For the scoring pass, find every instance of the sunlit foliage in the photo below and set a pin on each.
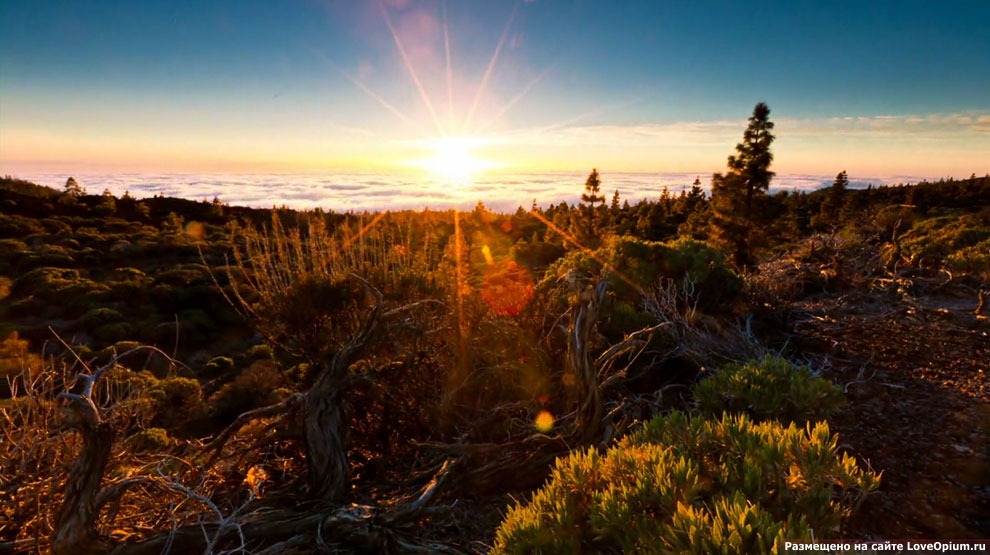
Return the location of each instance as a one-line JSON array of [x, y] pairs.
[[770, 388], [692, 485]]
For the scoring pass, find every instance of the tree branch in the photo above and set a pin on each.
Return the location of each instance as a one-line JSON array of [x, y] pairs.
[[218, 443]]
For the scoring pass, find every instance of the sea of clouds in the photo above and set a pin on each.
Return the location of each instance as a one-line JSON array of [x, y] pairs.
[[373, 192]]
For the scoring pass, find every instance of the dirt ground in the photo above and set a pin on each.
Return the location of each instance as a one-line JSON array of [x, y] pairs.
[[917, 375]]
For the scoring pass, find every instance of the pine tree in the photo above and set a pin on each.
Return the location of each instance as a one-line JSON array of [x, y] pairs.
[[736, 221], [666, 201], [829, 211], [108, 203], [696, 196], [73, 188], [593, 203]]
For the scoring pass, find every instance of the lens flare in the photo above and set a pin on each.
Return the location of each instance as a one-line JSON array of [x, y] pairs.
[[507, 288], [195, 230], [543, 421]]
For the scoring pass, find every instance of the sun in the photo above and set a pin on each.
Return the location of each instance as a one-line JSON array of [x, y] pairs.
[[454, 160]]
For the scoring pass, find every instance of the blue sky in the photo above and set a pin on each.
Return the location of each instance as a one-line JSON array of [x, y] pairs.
[[895, 87]]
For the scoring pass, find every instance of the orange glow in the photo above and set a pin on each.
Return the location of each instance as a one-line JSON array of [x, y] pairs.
[[507, 288], [543, 422], [195, 231]]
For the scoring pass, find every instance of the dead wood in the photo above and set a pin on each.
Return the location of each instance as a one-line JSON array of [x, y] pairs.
[[581, 370], [75, 524]]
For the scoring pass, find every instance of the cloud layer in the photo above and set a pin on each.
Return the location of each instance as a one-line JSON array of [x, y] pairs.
[[358, 192]]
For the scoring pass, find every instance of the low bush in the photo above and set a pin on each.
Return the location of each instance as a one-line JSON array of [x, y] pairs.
[[634, 266], [97, 317], [974, 260], [45, 280], [692, 485], [11, 247], [260, 351], [108, 334], [16, 363], [536, 256], [770, 388], [152, 440], [218, 366], [177, 400], [254, 387]]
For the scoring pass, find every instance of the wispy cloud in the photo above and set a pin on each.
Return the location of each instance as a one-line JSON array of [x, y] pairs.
[[682, 133], [709, 133], [955, 144], [884, 126]]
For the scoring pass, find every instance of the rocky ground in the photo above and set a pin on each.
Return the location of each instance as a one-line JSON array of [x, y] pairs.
[[916, 370]]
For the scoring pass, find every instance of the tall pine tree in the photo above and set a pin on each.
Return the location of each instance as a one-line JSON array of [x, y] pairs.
[[736, 219], [829, 211], [592, 207]]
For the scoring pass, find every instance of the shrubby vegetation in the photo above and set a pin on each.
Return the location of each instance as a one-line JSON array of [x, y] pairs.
[[377, 364], [692, 485], [768, 389], [733, 479]]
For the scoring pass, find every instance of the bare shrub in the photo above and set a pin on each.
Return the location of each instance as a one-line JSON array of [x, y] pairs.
[[689, 334]]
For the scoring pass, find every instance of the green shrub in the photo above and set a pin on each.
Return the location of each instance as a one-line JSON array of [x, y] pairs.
[[693, 485], [771, 388], [11, 247], [635, 265], [128, 274], [219, 365], [56, 226], [184, 275], [97, 317], [105, 354], [152, 440], [14, 226], [536, 255], [114, 332], [29, 307], [956, 238], [254, 387], [69, 243], [974, 259], [261, 351], [45, 280], [196, 324], [177, 400]]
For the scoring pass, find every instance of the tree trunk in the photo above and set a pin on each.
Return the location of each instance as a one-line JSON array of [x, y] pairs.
[[585, 393], [324, 432], [75, 526], [326, 446]]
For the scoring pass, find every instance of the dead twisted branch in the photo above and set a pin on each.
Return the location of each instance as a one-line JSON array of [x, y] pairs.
[[356, 527], [76, 522]]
